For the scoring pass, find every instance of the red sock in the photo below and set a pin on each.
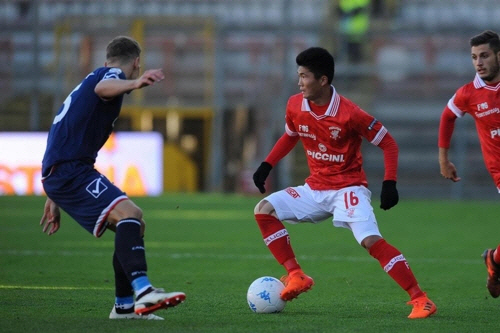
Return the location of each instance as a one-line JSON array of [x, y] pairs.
[[394, 264], [496, 255], [277, 240]]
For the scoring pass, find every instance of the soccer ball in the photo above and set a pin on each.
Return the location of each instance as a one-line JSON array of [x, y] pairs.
[[263, 295]]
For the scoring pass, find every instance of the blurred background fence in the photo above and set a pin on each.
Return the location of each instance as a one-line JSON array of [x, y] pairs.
[[230, 68]]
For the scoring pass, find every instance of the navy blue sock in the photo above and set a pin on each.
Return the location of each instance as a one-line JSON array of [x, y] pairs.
[[123, 288], [129, 249]]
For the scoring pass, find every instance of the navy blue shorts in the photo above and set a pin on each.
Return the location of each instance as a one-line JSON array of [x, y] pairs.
[[82, 192]]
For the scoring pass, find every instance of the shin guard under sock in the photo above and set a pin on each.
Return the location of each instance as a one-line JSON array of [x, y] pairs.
[[123, 288], [276, 238], [129, 249], [394, 264]]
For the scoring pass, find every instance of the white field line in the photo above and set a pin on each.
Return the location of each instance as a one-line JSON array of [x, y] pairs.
[[54, 288], [233, 256]]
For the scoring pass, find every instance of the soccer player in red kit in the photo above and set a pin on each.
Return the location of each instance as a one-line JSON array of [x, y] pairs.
[[480, 99], [331, 129]]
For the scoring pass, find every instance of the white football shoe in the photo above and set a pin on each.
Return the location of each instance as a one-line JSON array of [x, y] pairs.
[[132, 315], [157, 299]]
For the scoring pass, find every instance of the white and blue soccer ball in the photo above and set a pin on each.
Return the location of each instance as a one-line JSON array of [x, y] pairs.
[[263, 295]]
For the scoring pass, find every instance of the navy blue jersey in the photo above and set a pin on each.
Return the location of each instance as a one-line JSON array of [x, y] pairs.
[[83, 123]]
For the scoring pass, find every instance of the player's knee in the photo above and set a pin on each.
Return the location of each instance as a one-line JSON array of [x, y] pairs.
[[124, 210], [368, 242], [143, 227], [137, 213], [263, 207], [132, 212]]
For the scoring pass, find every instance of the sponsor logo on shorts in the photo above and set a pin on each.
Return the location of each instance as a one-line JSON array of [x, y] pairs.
[[292, 192], [282, 233], [97, 187]]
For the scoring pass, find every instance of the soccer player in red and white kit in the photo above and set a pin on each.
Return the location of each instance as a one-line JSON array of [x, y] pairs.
[[331, 129], [480, 99]]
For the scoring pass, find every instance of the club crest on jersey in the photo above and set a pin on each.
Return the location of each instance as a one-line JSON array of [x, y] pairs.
[[334, 132], [96, 187]]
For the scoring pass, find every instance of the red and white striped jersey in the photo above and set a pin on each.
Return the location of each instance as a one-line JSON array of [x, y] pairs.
[[482, 102], [332, 140]]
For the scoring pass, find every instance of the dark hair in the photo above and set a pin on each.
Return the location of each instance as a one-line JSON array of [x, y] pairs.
[[122, 49], [319, 61], [487, 37]]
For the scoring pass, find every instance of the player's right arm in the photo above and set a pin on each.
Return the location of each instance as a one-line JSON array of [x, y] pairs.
[[111, 88], [446, 128], [282, 147], [51, 216]]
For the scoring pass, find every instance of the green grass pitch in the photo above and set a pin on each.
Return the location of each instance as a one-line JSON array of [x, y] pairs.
[[209, 246]]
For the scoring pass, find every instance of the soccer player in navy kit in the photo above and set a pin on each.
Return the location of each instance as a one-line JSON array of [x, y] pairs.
[[79, 130]]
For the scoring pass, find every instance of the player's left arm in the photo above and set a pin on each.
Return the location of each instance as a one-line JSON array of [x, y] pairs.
[[111, 88], [391, 153], [51, 219], [377, 134], [389, 196]]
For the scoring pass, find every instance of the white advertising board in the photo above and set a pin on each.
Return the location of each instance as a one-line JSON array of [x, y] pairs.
[[132, 160]]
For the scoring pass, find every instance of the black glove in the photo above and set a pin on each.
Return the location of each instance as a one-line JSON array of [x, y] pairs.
[[259, 177], [389, 196]]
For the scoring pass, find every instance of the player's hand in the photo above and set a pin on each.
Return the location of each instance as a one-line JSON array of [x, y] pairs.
[[259, 177], [449, 171], [389, 196], [149, 78], [51, 219]]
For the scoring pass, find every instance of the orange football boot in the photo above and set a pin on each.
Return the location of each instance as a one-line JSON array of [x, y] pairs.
[[295, 283], [423, 307], [493, 282]]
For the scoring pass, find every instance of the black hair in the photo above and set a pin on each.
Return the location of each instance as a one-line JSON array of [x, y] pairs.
[[487, 37], [319, 61]]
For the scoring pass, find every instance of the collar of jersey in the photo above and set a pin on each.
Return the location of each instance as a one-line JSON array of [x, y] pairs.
[[479, 83], [332, 109]]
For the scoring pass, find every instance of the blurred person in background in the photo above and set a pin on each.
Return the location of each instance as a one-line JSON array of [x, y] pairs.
[[481, 100], [331, 129], [354, 21], [79, 130]]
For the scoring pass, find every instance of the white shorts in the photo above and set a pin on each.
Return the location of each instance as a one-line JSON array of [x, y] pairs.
[[350, 207]]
